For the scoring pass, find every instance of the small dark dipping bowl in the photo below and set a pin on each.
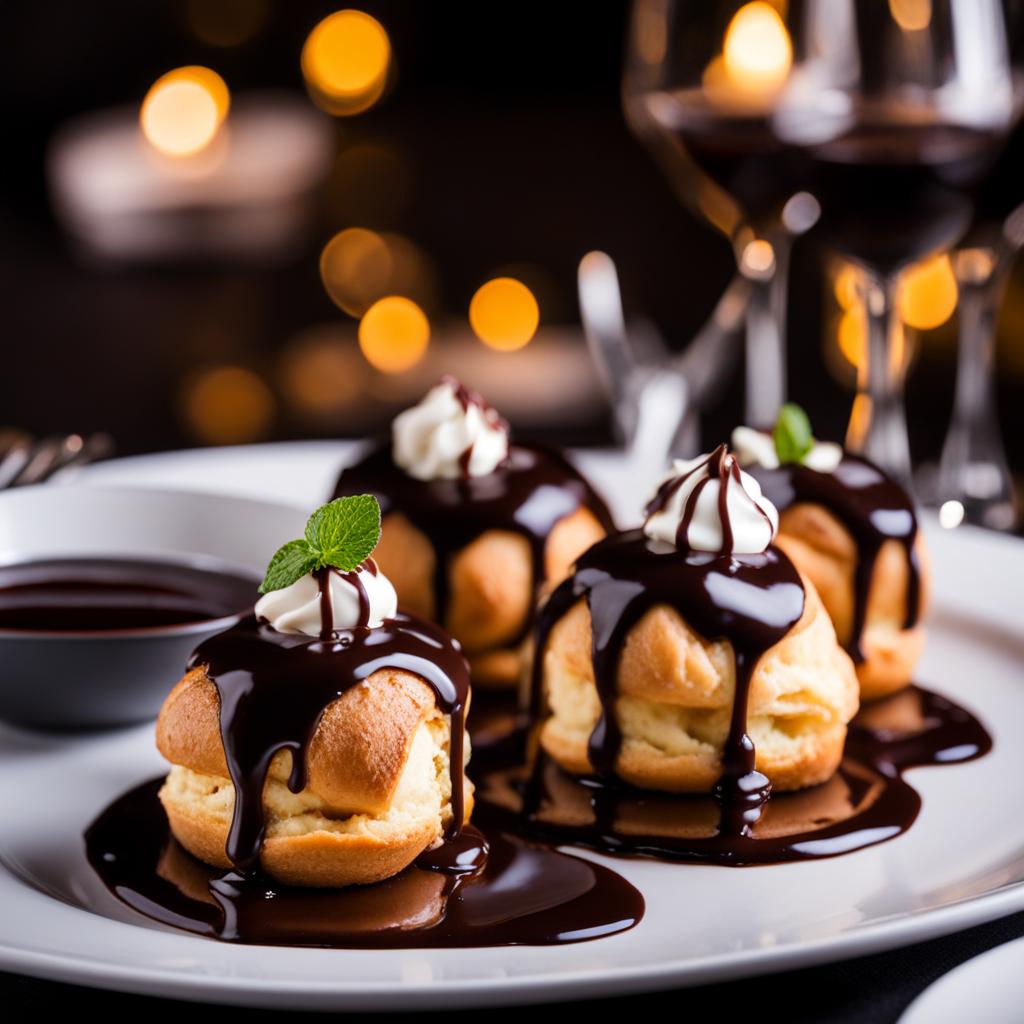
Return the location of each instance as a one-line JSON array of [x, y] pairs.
[[89, 641]]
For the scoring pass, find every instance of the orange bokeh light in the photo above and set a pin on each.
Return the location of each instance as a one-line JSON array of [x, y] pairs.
[[356, 268], [928, 293], [394, 334], [184, 109], [228, 405], [757, 53], [504, 314], [345, 62]]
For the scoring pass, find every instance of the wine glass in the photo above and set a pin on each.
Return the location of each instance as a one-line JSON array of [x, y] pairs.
[[896, 112], [974, 483], [700, 85]]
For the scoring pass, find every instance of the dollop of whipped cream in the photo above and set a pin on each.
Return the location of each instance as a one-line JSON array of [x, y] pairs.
[[452, 433], [757, 448], [688, 510], [364, 597]]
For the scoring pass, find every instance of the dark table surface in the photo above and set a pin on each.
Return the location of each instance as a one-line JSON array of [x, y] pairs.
[[875, 989]]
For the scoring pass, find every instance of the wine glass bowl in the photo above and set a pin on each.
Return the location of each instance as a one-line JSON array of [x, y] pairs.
[[889, 114]]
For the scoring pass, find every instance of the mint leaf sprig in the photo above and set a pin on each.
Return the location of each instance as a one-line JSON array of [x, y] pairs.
[[792, 434], [341, 534]]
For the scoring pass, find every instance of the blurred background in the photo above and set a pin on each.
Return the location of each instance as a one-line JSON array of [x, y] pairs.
[[253, 249]]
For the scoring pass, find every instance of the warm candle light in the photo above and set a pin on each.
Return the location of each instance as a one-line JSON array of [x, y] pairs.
[[757, 53], [356, 269], [345, 62], [852, 335], [184, 109], [228, 405], [504, 314], [394, 334], [911, 15], [928, 293], [321, 372], [847, 286]]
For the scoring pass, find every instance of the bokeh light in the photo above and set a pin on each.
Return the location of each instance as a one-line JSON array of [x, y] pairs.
[[504, 314], [322, 372], [226, 22], [852, 335], [184, 109], [847, 286], [228, 405], [928, 293], [356, 269], [911, 15], [345, 62], [757, 53], [951, 514], [393, 334]]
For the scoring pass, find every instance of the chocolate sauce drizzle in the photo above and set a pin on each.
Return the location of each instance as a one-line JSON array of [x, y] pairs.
[[750, 600], [871, 506], [529, 495], [274, 687], [865, 803]]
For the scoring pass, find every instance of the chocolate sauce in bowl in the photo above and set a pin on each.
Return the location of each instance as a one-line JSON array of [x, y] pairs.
[[103, 595], [870, 505], [529, 495], [525, 893], [865, 803], [273, 688], [750, 600]]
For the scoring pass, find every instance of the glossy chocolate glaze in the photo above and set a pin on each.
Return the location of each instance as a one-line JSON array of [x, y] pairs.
[[273, 688], [865, 803], [750, 600], [99, 595], [870, 505], [526, 894], [529, 495]]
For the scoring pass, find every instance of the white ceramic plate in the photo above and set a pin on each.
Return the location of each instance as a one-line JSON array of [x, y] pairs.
[[989, 988], [961, 863]]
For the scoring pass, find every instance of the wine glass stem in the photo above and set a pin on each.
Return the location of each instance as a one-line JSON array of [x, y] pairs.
[[974, 399], [884, 437], [973, 467], [766, 337]]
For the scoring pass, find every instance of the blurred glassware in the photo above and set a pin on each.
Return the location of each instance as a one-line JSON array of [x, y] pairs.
[[895, 120], [973, 470], [700, 86], [656, 397]]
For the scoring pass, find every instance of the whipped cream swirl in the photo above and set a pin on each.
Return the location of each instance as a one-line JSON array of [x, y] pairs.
[[452, 433], [349, 600], [757, 448], [709, 504]]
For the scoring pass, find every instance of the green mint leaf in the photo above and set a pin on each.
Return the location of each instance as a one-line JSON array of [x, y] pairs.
[[344, 532], [792, 434], [290, 563]]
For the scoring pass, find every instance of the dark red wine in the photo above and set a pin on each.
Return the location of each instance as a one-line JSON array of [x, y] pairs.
[[98, 595], [739, 152], [894, 193]]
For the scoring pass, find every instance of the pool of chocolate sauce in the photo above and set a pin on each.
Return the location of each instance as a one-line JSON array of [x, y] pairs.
[[867, 802], [525, 893], [101, 595]]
